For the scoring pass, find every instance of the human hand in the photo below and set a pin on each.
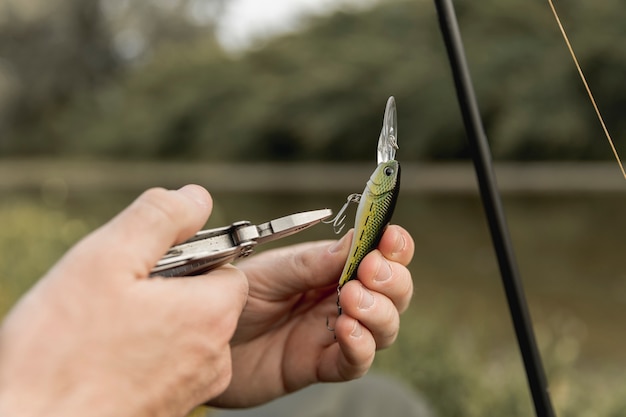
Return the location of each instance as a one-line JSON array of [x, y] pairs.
[[96, 337], [282, 342]]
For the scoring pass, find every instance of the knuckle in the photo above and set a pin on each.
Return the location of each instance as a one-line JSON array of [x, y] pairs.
[[390, 323], [406, 291], [224, 325], [387, 338], [156, 206], [356, 368], [214, 371], [223, 374]]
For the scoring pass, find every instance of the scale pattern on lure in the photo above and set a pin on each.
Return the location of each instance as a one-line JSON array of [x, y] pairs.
[[376, 203], [374, 212]]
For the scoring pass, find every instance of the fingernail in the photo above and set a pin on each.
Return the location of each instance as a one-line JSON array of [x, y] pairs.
[[338, 245], [367, 299], [400, 244], [384, 271], [357, 331], [197, 194]]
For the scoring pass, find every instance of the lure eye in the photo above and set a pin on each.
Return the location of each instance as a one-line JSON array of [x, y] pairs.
[[389, 171]]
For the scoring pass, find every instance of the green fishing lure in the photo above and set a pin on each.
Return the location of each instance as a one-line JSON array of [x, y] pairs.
[[376, 203], [373, 214]]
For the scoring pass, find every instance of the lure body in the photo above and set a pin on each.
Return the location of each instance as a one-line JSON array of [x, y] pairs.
[[374, 212]]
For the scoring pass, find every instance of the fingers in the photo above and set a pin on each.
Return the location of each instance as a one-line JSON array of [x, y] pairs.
[[384, 287], [384, 270], [373, 311], [371, 307], [352, 356], [137, 238], [391, 279], [190, 321]]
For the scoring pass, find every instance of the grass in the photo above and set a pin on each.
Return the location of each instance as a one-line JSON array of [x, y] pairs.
[[456, 345], [32, 238]]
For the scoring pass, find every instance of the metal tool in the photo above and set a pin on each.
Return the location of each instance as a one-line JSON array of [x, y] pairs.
[[211, 248]]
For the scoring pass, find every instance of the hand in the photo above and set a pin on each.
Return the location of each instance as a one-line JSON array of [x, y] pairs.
[[282, 342], [96, 337]]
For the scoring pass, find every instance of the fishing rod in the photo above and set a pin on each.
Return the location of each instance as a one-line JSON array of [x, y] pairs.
[[481, 155]]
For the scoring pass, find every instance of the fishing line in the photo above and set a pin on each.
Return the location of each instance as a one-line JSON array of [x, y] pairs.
[[584, 80]]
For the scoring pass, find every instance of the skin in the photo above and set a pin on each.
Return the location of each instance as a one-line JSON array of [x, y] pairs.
[[96, 337]]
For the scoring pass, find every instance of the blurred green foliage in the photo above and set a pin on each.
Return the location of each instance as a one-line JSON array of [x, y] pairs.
[[464, 376], [32, 238], [319, 94]]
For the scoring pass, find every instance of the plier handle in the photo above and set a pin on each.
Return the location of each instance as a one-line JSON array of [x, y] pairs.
[[211, 248]]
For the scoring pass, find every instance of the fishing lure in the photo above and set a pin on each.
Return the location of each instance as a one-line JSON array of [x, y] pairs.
[[376, 203]]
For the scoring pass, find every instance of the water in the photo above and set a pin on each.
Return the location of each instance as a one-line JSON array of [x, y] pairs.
[[569, 250]]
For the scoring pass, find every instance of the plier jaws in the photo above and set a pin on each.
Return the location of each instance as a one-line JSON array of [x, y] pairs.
[[211, 248]]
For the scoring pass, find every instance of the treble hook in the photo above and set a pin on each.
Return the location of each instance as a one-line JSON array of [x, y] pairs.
[[339, 311], [338, 220]]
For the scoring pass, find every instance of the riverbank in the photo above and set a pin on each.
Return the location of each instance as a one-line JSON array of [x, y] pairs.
[[455, 178]]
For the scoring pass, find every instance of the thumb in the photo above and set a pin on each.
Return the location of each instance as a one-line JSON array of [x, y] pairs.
[[139, 236], [298, 268]]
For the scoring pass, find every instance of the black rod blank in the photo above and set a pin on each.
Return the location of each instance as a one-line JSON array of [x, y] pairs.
[[481, 155]]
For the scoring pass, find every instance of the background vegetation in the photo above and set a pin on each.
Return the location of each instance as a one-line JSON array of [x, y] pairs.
[[147, 79]]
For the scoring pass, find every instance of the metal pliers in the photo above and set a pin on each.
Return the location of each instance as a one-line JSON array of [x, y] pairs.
[[211, 248]]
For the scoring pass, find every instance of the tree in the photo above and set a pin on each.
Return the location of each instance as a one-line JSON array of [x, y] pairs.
[[320, 93], [78, 47]]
